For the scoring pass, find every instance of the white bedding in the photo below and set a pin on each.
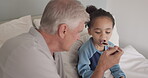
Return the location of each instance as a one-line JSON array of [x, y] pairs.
[[14, 27], [134, 64]]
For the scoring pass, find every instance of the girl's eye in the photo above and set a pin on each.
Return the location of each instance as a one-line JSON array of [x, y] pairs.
[[107, 32], [98, 32]]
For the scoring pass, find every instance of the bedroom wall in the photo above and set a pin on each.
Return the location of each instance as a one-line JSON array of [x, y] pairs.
[[132, 22], [10, 9], [97, 3]]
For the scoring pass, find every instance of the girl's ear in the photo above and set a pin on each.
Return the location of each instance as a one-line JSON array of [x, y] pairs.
[[62, 30], [89, 31]]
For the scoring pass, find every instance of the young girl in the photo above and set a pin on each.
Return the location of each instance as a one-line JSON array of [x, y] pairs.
[[100, 28]]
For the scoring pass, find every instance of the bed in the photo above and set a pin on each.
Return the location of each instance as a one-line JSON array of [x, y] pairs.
[[132, 62]]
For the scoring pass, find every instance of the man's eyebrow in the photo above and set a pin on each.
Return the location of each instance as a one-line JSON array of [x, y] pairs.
[[86, 24]]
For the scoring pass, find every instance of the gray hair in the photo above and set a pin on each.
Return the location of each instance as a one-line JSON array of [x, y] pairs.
[[70, 12]]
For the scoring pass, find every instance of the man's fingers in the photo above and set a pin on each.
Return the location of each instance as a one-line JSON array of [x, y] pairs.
[[119, 53], [111, 50], [116, 51]]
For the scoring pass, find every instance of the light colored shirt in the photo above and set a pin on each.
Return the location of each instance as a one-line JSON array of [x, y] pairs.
[[27, 56]]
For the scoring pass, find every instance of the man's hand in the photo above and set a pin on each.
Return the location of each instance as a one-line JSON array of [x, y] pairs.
[[122, 77], [108, 59]]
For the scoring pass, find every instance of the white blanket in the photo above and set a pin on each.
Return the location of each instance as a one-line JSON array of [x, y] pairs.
[[134, 64]]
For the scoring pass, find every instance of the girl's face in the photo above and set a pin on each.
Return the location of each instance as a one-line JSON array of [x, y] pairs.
[[101, 30]]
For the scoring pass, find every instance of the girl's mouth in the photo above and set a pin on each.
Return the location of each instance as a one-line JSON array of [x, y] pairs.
[[103, 42]]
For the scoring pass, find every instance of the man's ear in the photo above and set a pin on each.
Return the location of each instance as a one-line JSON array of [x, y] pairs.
[[62, 30]]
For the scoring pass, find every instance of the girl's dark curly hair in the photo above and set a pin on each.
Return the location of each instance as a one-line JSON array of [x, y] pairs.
[[95, 13]]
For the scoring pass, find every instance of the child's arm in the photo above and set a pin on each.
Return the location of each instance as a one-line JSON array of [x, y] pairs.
[[83, 67], [117, 72]]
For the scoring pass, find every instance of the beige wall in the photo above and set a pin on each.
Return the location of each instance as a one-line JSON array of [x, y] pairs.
[[10, 9], [132, 22]]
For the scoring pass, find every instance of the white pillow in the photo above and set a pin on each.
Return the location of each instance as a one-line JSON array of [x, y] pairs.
[[134, 64], [115, 36], [36, 22], [14, 27]]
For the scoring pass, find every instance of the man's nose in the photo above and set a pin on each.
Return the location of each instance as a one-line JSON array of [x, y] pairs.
[[78, 37]]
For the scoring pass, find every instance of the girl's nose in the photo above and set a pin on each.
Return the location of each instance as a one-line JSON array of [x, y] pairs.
[[103, 36]]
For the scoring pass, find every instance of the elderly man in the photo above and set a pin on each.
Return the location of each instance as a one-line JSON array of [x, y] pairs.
[[31, 55]]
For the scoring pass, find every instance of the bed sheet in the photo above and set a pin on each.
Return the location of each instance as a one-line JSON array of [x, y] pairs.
[[133, 63]]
